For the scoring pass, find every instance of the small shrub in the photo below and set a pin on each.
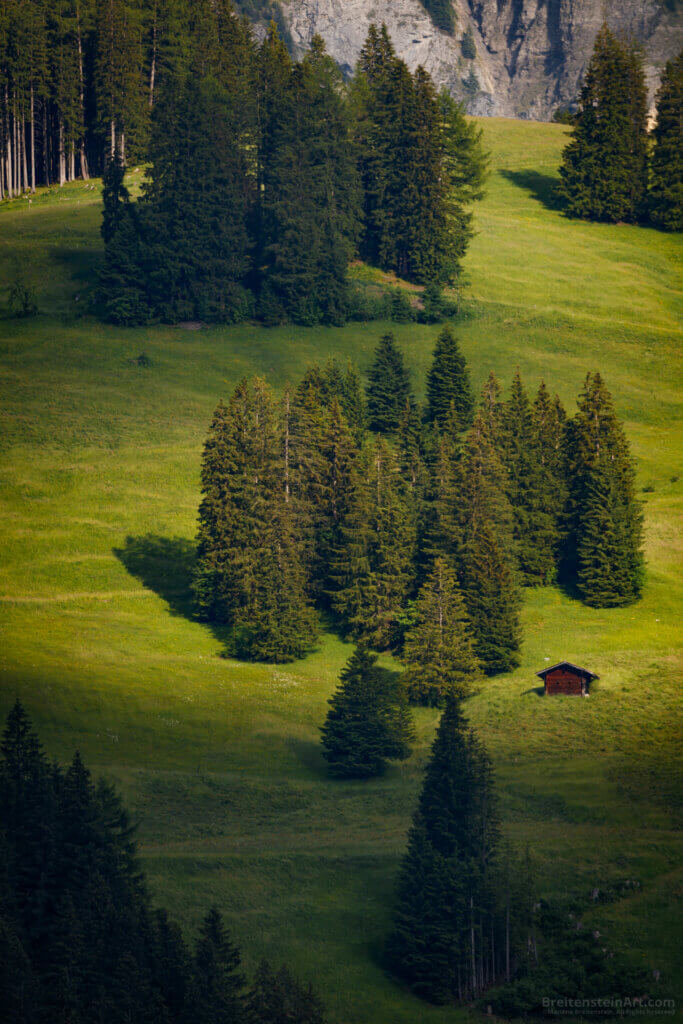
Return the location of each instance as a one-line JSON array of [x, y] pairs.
[[402, 310], [435, 306], [365, 304], [563, 115], [467, 45], [22, 300]]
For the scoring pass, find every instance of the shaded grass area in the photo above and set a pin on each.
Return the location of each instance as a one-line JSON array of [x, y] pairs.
[[219, 760]]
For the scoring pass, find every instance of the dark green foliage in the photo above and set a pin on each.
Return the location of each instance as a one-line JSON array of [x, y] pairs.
[[183, 252], [569, 961], [439, 650], [277, 998], [481, 497], [448, 382], [533, 489], [666, 182], [115, 196], [417, 178], [79, 941], [216, 995], [369, 721], [465, 166], [467, 45], [372, 569], [22, 299], [492, 600], [442, 14], [604, 170], [250, 574], [437, 945], [435, 306], [388, 387], [310, 205], [471, 83], [603, 520]]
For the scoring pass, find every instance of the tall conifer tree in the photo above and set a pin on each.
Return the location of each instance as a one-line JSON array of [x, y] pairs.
[[439, 648], [372, 568], [250, 571], [310, 204], [448, 381], [534, 506], [369, 721], [603, 550], [604, 169], [443, 942], [388, 387], [666, 188]]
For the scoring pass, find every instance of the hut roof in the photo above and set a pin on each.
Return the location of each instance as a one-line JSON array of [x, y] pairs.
[[566, 664]]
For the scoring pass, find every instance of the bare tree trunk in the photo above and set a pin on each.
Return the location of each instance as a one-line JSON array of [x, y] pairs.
[[112, 144], [493, 953], [83, 157], [46, 146], [507, 938], [153, 65], [33, 141], [72, 163], [62, 155], [23, 153], [122, 148], [8, 151], [473, 948]]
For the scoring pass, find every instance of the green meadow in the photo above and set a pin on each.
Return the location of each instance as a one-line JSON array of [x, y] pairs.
[[218, 760]]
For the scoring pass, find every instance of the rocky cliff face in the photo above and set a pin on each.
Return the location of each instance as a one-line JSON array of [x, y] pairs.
[[530, 54]]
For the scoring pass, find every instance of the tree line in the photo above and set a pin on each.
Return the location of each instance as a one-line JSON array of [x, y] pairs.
[[414, 528], [468, 921], [267, 176], [611, 169], [80, 940]]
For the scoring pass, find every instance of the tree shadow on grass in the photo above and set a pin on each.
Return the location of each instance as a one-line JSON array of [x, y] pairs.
[[538, 690], [166, 566], [542, 187]]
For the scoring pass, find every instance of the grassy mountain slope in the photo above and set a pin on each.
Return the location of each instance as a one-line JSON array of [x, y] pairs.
[[99, 463]]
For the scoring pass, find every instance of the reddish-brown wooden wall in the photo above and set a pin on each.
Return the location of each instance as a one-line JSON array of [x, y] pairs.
[[562, 680]]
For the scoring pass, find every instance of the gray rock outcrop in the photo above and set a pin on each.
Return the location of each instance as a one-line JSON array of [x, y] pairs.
[[531, 54]]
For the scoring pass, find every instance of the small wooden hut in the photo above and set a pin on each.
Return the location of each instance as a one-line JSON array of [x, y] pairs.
[[565, 678]]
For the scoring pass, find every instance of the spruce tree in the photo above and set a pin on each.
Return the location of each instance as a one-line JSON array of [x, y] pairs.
[[534, 506], [439, 648], [666, 182], [372, 567], [443, 526], [483, 484], [604, 168], [368, 721], [388, 388], [492, 600], [601, 482], [250, 572], [339, 454], [548, 426], [277, 998], [465, 167], [443, 939], [310, 200], [217, 995], [448, 381]]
